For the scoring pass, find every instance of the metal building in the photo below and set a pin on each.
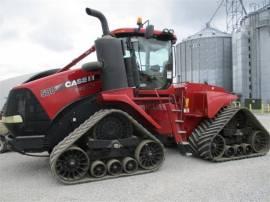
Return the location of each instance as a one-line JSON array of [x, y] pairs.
[[251, 56], [205, 57], [8, 84]]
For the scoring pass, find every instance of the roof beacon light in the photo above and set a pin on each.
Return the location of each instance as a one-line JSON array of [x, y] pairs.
[[139, 22]]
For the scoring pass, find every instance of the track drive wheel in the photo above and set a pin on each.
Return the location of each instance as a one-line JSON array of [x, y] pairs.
[[114, 126], [259, 141], [149, 154], [217, 147], [3, 145], [98, 169], [72, 164]]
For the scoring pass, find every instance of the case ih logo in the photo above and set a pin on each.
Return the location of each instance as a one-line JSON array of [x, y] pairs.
[[68, 84], [79, 81]]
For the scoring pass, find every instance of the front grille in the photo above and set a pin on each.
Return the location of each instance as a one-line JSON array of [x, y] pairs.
[[23, 102]]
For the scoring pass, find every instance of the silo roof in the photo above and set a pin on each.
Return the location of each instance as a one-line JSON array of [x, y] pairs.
[[208, 31]]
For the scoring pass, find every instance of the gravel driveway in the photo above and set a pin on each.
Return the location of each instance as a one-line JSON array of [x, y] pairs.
[[179, 179]]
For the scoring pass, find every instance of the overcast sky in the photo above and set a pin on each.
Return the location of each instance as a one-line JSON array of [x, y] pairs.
[[43, 34]]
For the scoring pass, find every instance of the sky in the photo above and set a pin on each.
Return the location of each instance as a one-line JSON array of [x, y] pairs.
[[47, 34]]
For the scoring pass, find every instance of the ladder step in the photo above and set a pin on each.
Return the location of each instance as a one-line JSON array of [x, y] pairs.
[[182, 132], [185, 148], [177, 110], [179, 121]]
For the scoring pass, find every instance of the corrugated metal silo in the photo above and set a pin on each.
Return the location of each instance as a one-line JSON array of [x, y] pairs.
[[205, 57], [251, 49]]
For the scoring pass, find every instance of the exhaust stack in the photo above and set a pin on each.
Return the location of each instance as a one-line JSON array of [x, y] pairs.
[[110, 54], [102, 19]]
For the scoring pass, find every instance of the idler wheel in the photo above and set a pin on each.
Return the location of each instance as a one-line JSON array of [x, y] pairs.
[[98, 169], [229, 151], [149, 154], [217, 146], [114, 126], [130, 165], [259, 141], [72, 165], [114, 167]]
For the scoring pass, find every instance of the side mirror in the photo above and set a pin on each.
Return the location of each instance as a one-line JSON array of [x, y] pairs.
[[92, 66], [149, 31]]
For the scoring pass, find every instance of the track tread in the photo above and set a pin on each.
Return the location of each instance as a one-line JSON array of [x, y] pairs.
[[84, 128], [200, 140]]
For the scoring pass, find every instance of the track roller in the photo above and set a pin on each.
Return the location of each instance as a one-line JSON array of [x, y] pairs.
[[130, 165], [149, 154], [247, 148], [238, 150], [98, 169], [72, 164], [229, 151], [114, 167]]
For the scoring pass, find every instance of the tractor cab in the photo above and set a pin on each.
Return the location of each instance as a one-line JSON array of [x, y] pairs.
[[148, 56]]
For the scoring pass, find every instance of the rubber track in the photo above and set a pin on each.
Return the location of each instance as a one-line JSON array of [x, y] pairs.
[[201, 137], [81, 130]]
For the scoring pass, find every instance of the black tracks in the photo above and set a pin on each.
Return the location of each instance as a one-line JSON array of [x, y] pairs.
[[208, 129], [70, 140]]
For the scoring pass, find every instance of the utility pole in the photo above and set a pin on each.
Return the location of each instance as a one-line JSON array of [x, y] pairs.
[[235, 11]]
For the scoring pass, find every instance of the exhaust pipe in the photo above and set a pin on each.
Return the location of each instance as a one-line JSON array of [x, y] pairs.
[[102, 19]]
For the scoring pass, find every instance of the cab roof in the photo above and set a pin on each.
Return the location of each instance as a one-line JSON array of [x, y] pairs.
[[160, 35]]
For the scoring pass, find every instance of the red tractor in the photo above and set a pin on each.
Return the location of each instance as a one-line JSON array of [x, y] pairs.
[[111, 118]]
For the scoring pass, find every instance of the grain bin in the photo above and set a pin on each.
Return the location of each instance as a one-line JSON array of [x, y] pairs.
[[251, 56], [205, 57]]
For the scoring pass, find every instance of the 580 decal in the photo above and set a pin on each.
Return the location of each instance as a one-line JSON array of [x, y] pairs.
[[68, 84]]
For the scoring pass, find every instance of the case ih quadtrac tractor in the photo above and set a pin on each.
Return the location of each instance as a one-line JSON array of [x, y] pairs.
[[111, 118]]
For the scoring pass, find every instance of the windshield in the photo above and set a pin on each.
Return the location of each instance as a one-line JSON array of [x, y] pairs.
[[154, 61]]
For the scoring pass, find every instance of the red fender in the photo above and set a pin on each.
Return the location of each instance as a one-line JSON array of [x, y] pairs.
[[217, 100]]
